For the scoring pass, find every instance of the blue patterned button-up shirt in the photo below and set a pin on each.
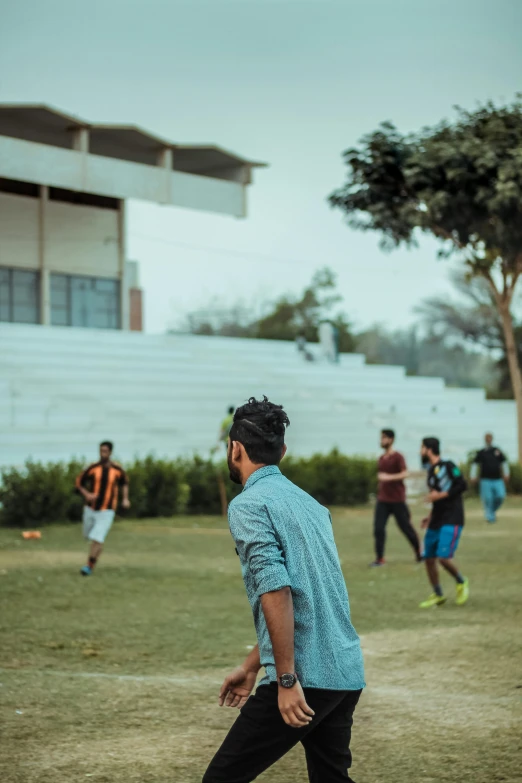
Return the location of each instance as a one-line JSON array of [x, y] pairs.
[[285, 538]]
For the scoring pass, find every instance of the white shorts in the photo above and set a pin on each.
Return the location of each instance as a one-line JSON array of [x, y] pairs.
[[96, 524]]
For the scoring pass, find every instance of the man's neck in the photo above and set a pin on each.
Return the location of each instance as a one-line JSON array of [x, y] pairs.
[[435, 460], [388, 450], [249, 470]]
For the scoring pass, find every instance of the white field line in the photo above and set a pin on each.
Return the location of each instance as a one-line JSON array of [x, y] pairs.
[[404, 694], [387, 691], [197, 531], [187, 680]]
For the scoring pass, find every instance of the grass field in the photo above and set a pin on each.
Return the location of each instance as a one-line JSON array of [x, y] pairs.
[[114, 679]]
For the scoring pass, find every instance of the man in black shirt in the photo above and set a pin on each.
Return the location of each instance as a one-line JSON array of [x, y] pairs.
[[494, 474], [446, 484]]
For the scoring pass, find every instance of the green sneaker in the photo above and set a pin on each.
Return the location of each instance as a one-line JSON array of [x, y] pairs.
[[462, 593], [433, 600]]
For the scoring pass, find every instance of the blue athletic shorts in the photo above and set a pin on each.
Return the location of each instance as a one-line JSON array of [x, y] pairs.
[[442, 542]]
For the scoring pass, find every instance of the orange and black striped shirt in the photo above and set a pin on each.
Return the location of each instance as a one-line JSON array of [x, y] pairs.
[[103, 480]]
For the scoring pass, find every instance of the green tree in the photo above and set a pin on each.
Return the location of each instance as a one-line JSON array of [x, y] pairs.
[[428, 355], [290, 316], [473, 320], [285, 319], [460, 182]]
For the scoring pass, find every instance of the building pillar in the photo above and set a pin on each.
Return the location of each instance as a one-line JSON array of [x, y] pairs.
[[165, 160], [122, 273], [80, 140], [80, 143], [136, 309], [135, 297], [45, 277], [246, 179]]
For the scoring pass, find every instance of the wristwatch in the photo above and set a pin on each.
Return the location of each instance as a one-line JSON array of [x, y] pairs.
[[287, 680]]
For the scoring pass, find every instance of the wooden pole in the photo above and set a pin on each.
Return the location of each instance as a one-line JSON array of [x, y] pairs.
[[222, 494]]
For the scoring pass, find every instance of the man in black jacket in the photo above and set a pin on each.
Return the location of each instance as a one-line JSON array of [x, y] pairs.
[[494, 475], [444, 525]]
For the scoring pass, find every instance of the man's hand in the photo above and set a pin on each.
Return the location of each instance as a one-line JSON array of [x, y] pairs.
[[425, 522], [90, 497], [125, 503], [393, 476], [293, 707], [237, 687], [433, 496]]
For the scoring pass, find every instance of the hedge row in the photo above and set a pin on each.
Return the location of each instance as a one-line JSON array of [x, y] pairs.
[[514, 486], [42, 494]]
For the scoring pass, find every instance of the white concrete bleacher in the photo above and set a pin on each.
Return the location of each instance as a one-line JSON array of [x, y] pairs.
[[62, 390]]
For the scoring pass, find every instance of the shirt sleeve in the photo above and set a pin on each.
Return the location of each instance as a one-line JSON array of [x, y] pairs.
[[84, 475], [458, 482], [475, 465], [401, 464], [258, 547], [123, 480]]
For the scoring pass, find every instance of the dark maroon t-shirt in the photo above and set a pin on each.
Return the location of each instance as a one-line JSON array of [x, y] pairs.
[[392, 491]]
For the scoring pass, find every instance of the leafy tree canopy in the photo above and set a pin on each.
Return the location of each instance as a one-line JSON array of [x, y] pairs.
[[460, 182]]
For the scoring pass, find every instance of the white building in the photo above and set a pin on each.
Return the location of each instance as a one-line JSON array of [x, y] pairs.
[[63, 186]]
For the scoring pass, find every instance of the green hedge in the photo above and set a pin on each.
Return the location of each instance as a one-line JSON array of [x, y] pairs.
[[514, 485], [333, 479], [42, 494]]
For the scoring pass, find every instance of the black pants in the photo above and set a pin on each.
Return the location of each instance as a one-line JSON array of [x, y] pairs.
[[401, 513], [260, 737]]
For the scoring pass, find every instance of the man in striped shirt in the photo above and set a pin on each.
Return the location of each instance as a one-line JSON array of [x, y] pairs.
[[99, 484]]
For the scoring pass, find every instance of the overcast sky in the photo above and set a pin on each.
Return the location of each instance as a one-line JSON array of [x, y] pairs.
[[289, 82]]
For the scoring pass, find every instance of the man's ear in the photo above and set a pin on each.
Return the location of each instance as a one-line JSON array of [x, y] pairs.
[[237, 449], [284, 451]]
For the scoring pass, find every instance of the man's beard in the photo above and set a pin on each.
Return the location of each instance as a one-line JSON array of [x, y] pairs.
[[234, 474]]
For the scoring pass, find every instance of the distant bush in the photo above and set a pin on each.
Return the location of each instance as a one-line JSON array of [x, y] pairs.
[[40, 494], [333, 479], [158, 487], [515, 479], [202, 476], [514, 485]]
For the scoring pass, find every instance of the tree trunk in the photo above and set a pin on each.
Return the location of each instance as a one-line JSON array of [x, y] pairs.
[[514, 366]]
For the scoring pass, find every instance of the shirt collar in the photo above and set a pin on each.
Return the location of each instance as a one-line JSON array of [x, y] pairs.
[[266, 470]]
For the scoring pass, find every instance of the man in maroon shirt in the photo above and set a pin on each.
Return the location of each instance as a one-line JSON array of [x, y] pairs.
[[391, 499]]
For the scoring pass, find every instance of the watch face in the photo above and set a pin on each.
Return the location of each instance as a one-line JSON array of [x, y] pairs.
[[288, 680]]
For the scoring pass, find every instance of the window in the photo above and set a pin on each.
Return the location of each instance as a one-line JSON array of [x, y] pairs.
[[19, 296], [91, 302], [60, 300]]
